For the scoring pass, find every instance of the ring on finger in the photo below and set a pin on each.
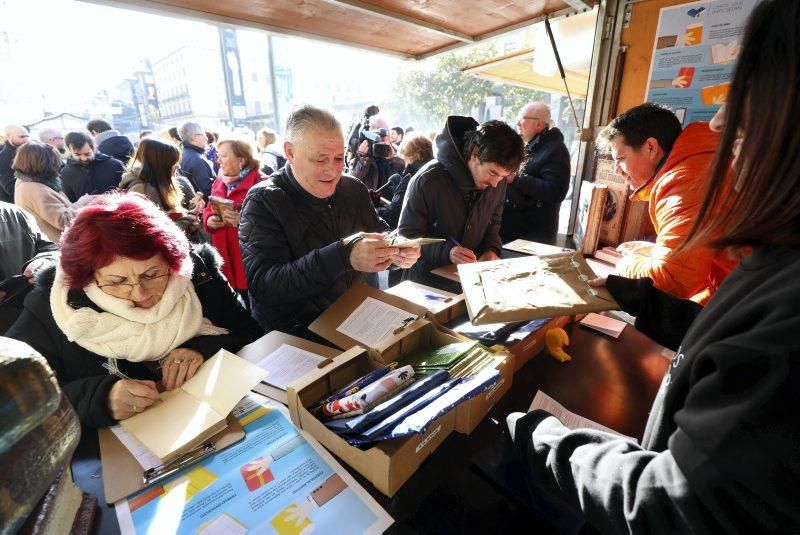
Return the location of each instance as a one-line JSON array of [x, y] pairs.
[[135, 409]]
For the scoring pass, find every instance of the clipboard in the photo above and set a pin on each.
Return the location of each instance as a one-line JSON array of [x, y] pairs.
[[127, 475], [448, 271]]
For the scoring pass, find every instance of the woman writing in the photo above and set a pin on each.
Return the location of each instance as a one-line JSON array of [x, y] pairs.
[[130, 292], [720, 451], [238, 172]]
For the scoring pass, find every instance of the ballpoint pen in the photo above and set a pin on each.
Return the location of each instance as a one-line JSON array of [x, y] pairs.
[[116, 372], [454, 241]]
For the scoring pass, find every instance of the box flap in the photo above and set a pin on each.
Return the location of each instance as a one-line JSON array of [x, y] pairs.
[[293, 389], [327, 323], [433, 299]]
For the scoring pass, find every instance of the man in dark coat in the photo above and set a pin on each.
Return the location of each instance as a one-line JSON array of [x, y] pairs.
[[534, 196], [88, 172], [309, 233], [16, 135], [110, 141], [459, 196], [194, 164]]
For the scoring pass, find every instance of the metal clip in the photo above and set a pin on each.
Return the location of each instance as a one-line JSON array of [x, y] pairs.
[[158, 473]]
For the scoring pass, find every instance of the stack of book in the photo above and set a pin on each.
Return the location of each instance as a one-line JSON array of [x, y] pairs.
[[459, 360]]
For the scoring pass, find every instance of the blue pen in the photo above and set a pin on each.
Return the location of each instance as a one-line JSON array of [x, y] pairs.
[[455, 242]]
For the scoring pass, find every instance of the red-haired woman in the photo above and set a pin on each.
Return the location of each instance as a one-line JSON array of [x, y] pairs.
[[129, 291], [238, 172]]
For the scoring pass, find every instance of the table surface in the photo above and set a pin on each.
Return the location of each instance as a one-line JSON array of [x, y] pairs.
[[612, 382]]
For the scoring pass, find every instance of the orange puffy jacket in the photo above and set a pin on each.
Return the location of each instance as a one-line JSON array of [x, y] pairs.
[[675, 195]]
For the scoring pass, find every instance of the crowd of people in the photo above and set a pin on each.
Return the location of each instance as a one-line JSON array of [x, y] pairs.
[[152, 257]]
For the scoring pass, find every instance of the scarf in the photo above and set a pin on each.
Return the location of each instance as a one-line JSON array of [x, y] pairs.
[[52, 183], [124, 331], [232, 181]]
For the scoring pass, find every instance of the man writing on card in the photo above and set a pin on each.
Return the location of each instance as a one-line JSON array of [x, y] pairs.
[[310, 232], [459, 197]]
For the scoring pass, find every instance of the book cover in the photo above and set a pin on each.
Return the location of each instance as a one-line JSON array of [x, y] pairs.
[[219, 205], [590, 214], [616, 202]]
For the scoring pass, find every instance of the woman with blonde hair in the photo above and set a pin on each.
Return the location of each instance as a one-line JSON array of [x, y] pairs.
[[238, 172], [415, 151]]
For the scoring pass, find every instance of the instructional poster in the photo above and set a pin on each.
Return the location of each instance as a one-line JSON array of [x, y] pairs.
[[274, 481], [694, 56]]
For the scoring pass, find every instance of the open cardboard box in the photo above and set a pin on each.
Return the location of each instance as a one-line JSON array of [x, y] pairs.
[[423, 331], [387, 465], [270, 342], [451, 307]]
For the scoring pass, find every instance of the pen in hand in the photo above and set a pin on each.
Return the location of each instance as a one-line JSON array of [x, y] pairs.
[[122, 375], [454, 241]]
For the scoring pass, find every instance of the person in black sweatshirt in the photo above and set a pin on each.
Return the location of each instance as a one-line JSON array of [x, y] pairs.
[[721, 451]]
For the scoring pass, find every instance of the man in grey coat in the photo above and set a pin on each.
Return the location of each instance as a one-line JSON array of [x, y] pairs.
[[459, 196]]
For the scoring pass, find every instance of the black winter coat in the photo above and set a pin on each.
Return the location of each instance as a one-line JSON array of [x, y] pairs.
[[295, 264], [197, 169], [118, 147], [438, 202], [398, 183], [101, 175], [7, 178], [534, 198], [80, 373]]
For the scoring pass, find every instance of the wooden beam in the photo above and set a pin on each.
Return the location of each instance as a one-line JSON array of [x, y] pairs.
[[566, 12], [155, 7], [369, 9]]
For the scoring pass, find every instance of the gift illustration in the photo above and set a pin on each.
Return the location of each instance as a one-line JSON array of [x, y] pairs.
[[293, 520], [256, 473]]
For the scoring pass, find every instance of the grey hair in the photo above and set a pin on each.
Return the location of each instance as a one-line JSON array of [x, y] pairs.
[[188, 129], [305, 118]]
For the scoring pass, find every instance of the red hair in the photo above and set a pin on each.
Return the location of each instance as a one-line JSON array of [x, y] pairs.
[[118, 224]]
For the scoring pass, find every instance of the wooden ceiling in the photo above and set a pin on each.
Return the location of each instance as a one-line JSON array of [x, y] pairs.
[[407, 28]]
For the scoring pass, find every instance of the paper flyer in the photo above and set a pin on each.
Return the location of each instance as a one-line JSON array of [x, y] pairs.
[[277, 480], [694, 56]]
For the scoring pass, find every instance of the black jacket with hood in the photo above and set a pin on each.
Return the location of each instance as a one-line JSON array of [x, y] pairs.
[[100, 175], [79, 371], [442, 201]]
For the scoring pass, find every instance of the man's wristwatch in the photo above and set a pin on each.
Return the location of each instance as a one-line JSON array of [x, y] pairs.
[[346, 248]]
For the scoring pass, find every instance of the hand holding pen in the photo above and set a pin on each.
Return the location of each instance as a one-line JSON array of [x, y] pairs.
[[129, 396], [460, 254]]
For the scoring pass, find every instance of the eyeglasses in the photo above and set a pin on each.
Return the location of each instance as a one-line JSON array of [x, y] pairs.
[[147, 284], [531, 118]]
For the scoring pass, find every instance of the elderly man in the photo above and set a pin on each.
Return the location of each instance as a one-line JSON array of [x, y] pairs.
[[668, 167], [16, 136], [110, 141], [309, 232], [534, 195], [54, 138], [194, 164], [459, 197], [88, 171]]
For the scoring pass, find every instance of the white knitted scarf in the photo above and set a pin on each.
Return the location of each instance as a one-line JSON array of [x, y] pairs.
[[124, 331]]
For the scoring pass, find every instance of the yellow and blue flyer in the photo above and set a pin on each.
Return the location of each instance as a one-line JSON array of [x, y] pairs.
[[277, 480]]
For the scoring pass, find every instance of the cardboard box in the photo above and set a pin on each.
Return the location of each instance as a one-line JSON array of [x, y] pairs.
[[387, 465], [423, 331], [444, 311], [270, 342], [470, 414]]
